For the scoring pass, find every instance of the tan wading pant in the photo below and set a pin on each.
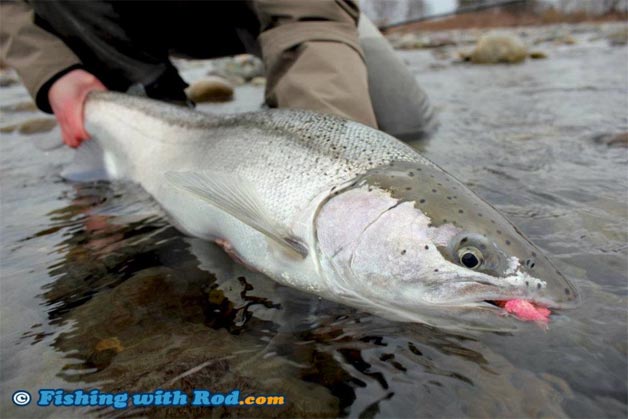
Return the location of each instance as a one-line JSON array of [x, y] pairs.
[[310, 48]]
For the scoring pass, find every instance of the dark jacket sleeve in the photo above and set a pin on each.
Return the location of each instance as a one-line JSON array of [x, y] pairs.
[[313, 57], [38, 56]]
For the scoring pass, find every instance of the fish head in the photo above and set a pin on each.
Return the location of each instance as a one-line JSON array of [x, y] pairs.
[[411, 239]]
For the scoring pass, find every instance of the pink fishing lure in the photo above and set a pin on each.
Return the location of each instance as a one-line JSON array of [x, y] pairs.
[[526, 310]]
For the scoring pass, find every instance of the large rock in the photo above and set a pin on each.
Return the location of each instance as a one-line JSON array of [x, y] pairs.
[[498, 48], [210, 89]]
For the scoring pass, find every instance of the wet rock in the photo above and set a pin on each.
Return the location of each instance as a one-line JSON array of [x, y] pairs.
[[30, 127], [416, 41], [37, 126], [8, 78], [498, 48], [618, 38], [613, 140], [241, 67], [19, 107], [7, 129], [567, 39], [210, 89], [258, 81], [538, 55]]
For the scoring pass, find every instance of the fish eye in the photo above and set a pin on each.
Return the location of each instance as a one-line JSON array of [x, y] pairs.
[[470, 257]]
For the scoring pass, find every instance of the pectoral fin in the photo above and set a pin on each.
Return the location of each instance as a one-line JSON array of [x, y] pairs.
[[238, 198]]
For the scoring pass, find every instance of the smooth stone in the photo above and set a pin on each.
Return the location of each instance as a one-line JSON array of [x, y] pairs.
[[613, 140], [538, 55], [258, 81], [618, 38], [499, 48], [210, 89], [19, 107], [8, 78], [37, 126]]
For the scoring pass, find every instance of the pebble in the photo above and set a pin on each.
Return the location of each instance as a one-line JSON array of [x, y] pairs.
[[30, 127], [538, 55], [36, 126], [241, 67], [8, 79], [613, 140], [28, 106], [210, 89], [618, 38], [258, 81]]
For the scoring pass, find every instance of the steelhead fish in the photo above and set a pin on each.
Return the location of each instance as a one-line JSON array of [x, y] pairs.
[[328, 206]]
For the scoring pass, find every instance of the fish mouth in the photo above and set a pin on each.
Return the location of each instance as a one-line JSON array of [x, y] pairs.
[[522, 309]]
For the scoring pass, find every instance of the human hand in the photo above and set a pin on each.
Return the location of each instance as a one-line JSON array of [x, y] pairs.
[[67, 99]]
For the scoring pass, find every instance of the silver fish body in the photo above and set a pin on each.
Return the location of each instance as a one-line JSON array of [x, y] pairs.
[[324, 205]]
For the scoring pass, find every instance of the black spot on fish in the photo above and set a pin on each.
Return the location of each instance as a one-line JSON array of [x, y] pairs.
[[507, 242], [410, 173], [499, 231], [435, 270], [403, 252], [422, 201], [460, 211], [434, 190], [439, 184], [408, 188], [427, 247], [444, 220], [419, 169], [567, 291], [527, 283], [538, 286], [464, 239], [449, 197], [480, 214], [492, 222]]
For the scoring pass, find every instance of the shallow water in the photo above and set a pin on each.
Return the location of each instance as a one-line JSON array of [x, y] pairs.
[[97, 290]]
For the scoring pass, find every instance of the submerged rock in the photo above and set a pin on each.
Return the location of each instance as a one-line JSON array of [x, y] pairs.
[[8, 78], [36, 126], [619, 37], [498, 48], [210, 89], [28, 106], [613, 140], [32, 126]]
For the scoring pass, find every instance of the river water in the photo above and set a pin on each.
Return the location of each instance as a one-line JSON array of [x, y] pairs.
[[97, 290]]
